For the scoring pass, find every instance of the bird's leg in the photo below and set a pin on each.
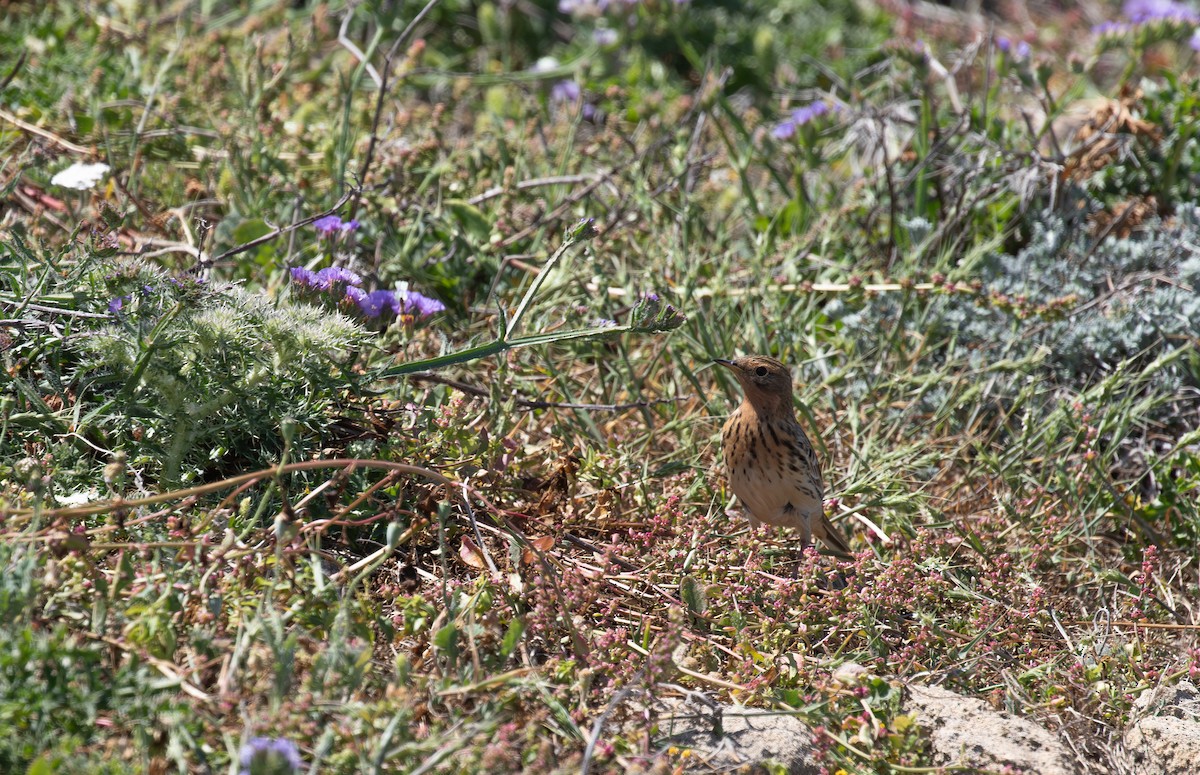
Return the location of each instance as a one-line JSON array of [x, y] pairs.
[[805, 534]]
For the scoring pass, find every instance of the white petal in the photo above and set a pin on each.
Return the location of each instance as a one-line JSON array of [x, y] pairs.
[[80, 176]]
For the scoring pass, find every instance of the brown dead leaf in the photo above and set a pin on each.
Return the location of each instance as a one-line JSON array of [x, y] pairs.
[[1093, 130], [606, 506], [542, 544], [1123, 219], [471, 554], [557, 488]]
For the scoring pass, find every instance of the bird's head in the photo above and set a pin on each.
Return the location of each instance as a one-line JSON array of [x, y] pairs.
[[766, 382]]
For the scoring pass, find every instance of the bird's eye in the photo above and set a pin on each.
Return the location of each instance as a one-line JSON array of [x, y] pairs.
[[761, 371]]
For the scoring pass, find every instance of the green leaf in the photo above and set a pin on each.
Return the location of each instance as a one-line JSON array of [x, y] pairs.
[[693, 595], [394, 531], [470, 218], [446, 638], [516, 629], [84, 124], [791, 697], [250, 230]]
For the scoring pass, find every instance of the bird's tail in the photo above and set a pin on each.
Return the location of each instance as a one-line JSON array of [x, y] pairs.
[[832, 537]]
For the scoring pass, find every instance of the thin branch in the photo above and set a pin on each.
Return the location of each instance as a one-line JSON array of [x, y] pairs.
[[706, 293], [35, 130], [169, 669], [353, 48], [524, 185], [369, 156], [27, 324], [16, 68], [571, 538], [529, 403], [69, 313], [281, 230], [562, 207]]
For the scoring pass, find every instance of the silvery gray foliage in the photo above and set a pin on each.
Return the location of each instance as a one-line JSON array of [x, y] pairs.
[[209, 372], [1135, 297]]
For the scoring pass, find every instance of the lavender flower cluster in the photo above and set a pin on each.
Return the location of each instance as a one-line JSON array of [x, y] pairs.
[[1018, 49], [332, 224], [116, 305], [1142, 13], [800, 116], [344, 285]]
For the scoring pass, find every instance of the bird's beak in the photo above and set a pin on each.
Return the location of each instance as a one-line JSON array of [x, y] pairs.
[[727, 364]]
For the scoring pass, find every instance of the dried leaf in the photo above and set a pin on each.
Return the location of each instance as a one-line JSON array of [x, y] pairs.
[[557, 489], [471, 554], [542, 544]]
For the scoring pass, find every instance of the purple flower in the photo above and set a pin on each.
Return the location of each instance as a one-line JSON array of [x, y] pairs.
[[116, 304], [1140, 11], [603, 36], [374, 303], [784, 130], [651, 296], [1110, 28], [304, 277], [410, 302], [399, 302], [331, 276], [565, 91], [269, 755], [331, 224], [328, 225], [1019, 50], [813, 110], [604, 323], [800, 116]]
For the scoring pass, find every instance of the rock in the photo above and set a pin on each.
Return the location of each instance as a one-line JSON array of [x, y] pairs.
[[726, 737], [966, 731], [1181, 701], [850, 673], [1166, 737]]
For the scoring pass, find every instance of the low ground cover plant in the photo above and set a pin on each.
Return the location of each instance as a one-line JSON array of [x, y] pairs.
[[357, 409]]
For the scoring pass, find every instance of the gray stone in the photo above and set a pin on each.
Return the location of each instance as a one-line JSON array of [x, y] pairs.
[[1165, 738], [723, 738], [966, 731]]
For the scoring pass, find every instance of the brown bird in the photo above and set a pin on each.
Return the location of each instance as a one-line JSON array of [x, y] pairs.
[[771, 464]]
